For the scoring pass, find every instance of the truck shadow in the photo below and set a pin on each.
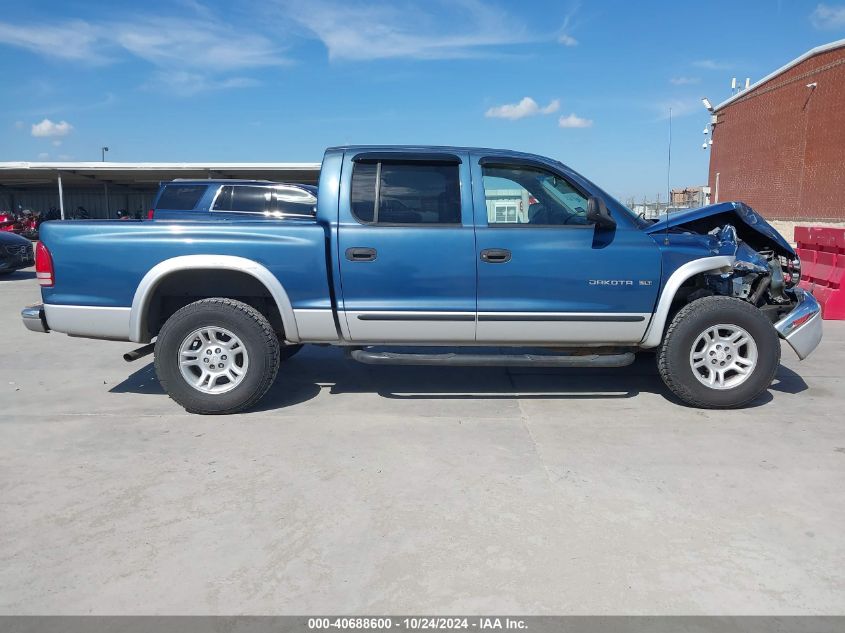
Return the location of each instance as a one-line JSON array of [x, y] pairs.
[[317, 369]]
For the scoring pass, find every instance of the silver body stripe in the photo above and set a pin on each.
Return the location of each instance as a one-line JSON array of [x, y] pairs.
[[316, 325], [89, 321], [430, 327], [561, 328]]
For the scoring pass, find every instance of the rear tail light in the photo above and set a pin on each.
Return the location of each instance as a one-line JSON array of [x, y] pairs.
[[43, 265], [151, 214]]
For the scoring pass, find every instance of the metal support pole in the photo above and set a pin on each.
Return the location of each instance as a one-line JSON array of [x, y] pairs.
[[108, 211], [61, 198]]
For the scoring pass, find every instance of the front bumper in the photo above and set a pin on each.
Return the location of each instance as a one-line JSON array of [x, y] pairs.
[[34, 319], [802, 328]]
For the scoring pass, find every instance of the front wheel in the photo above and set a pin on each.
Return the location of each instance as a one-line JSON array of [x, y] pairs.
[[217, 356], [719, 353]]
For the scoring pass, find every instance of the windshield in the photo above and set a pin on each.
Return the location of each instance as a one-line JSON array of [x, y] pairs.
[[612, 203]]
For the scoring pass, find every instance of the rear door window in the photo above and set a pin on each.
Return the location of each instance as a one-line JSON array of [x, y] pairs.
[[180, 197], [415, 192]]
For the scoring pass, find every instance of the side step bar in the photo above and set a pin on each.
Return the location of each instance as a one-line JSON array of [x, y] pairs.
[[493, 360]]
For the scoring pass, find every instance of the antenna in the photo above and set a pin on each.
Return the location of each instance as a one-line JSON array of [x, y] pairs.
[[668, 179]]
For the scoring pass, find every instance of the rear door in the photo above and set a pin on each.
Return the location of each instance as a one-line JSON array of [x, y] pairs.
[[546, 275], [407, 248]]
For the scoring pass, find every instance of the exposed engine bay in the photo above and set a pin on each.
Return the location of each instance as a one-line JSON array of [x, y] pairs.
[[766, 267], [760, 277], [763, 278]]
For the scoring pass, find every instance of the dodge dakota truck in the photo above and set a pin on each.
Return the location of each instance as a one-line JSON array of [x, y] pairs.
[[502, 257]]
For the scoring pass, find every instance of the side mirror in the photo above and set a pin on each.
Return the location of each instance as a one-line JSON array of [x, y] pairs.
[[598, 214]]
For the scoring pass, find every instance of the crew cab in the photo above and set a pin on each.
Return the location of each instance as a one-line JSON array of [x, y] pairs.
[[463, 248]]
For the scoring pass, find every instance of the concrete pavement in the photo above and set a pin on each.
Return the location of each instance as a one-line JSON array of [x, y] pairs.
[[360, 489]]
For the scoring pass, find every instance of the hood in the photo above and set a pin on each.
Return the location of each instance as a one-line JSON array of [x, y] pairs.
[[11, 239], [750, 226]]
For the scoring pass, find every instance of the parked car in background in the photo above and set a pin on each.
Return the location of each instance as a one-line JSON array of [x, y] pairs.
[[413, 246], [16, 252], [228, 199]]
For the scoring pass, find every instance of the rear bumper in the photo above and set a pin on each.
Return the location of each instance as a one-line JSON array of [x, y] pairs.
[[802, 328], [34, 319]]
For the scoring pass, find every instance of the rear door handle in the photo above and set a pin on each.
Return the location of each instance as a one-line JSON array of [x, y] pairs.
[[495, 255], [361, 254]]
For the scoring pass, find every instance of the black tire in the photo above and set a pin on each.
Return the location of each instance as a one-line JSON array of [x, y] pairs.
[[244, 321], [674, 355]]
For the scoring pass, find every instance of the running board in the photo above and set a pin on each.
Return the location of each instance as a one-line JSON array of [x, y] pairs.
[[497, 360]]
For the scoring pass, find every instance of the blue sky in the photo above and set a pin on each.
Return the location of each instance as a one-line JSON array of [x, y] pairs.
[[588, 83]]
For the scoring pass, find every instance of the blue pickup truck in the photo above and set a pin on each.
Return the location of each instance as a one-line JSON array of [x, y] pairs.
[[502, 257]]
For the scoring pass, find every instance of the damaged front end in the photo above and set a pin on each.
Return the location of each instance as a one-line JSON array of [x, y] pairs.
[[765, 272]]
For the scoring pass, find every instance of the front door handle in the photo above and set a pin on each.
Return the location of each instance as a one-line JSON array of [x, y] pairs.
[[361, 254], [495, 255]]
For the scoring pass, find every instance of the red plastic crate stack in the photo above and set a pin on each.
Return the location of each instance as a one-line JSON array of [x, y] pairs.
[[822, 253]]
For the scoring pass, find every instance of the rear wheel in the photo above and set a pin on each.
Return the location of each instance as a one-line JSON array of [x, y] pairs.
[[217, 356], [719, 353]]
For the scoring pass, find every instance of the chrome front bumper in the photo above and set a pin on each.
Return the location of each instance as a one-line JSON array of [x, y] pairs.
[[33, 319], [802, 328]]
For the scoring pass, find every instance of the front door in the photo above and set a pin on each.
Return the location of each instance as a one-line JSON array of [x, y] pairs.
[[547, 276], [407, 249]]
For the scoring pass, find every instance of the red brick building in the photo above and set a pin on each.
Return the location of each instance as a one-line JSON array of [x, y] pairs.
[[779, 146]]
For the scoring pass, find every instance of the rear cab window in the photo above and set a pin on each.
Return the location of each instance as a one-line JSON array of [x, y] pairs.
[[394, 192]]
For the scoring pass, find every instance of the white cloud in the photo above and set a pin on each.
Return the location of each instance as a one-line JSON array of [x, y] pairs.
[[208, 44], [712, 64], [565, 37], [554, 106], [49, 129], [19, 125], [574, 121], [828, 18], [74, 40], [680, 107], [43, 156], [162, 41], [364, 30], [57, 143], [526, 107], [684, 81], [197, 44], [184, 84]]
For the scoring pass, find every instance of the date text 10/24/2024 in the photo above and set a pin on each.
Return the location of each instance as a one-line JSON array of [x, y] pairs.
[[416, 623]]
